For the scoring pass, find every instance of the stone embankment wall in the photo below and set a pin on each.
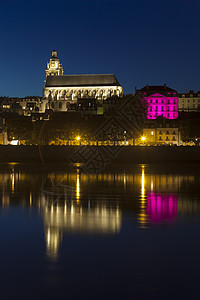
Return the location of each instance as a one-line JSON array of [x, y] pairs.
[[101, 154]]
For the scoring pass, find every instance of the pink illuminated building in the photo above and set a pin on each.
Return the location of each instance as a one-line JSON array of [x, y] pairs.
[[160, 101]]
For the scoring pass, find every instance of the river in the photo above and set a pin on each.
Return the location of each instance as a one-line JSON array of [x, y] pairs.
[[122, 233]]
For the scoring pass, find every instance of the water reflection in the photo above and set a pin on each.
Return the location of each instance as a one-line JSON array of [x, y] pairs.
[[143, 217], [77, 203], [161, 207], [75, 219]]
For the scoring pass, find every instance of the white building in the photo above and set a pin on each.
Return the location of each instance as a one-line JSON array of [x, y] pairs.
[[61, 90]]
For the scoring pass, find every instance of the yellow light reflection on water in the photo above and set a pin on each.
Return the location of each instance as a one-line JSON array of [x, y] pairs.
[[77, 186], [143, 218], [143, 182], [13, 180]]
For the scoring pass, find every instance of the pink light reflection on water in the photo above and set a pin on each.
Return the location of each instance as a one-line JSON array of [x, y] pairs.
[[161, 207]]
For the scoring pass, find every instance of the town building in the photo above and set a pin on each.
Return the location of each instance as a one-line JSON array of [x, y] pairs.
[[161, 132], [159, 101], [60, 91], [30, 105], [189, 102]]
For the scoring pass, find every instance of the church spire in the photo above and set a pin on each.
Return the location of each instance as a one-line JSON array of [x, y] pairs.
[[54, 67]]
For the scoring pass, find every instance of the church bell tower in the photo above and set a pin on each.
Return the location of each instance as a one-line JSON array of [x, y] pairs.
[[54, 68]]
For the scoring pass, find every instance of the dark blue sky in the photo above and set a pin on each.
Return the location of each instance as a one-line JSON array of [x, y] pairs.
[[140, 41]]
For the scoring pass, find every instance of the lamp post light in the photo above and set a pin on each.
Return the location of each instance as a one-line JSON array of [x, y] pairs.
[[78, 140], [143, 138]]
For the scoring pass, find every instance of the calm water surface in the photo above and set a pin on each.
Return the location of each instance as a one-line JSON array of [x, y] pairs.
[[121, 234]]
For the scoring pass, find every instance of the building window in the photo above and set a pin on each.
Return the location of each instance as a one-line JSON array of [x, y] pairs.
[[160, 132], [60, 105], [173, 115], [174, 138], [151, 132], [52, 105], [167, 138], [160, 138], [167, 132]]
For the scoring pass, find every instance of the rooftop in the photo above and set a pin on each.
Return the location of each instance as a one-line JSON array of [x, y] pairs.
[[82, 80], [156, 88], [149, 90]]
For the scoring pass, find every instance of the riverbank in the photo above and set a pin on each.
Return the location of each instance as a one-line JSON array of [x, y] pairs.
[[99, 154]]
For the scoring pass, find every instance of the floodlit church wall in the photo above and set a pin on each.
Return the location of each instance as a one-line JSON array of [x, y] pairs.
[[86, 92], [59, 97]]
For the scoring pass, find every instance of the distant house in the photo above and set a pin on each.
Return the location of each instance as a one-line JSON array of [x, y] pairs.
[[159, 101], [189, 102], [162, 132]]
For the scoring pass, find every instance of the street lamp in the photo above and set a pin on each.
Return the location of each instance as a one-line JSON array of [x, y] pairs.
[[143, 138], [78, 139]]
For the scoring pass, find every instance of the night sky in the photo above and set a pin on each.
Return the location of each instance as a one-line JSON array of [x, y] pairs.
[[140, 41]]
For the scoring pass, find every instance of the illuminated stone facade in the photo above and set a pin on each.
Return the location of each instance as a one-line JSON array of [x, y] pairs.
[[62, 90], [189, 102], [160, 101], [54, 67], [162, 132]]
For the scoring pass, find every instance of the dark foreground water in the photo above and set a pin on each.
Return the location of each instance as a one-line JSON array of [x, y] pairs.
[[121, 234]]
